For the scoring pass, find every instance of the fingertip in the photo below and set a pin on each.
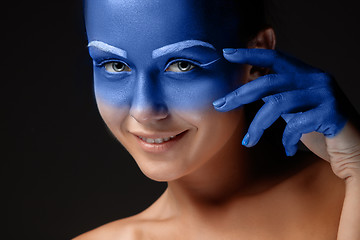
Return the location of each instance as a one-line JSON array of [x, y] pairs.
[[227, 103], [254, 139], [227, 106], [229, 51], [219, 103], [222, 109], [236, 55], [245, 140], [290, 150]]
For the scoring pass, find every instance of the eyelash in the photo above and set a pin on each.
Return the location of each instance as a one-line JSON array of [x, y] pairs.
[[102, 63], [195, 63]]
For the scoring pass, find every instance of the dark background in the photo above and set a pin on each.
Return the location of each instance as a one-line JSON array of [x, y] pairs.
[[62, 172]]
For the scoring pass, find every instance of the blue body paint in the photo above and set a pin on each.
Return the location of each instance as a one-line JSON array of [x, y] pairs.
[[147, 38], [176, 47], [301, 94], [108, 48]]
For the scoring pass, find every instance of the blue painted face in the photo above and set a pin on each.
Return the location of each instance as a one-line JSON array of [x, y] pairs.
[[158, 54], [158, 67]]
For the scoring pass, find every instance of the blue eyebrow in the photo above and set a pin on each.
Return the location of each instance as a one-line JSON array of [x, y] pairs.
[[180, 46], [108, 48]]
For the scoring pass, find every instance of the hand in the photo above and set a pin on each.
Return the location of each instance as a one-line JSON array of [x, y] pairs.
[[303, 95]]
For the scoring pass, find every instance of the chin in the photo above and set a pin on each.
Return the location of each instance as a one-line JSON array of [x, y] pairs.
[[162, 170]]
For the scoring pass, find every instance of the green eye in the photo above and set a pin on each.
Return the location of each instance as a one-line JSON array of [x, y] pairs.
[[180, 66], [116, 67]]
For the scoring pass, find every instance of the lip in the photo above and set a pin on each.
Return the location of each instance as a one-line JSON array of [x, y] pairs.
[[158, 147]]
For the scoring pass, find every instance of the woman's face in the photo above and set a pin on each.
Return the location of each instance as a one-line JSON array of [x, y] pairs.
[[158, 67]]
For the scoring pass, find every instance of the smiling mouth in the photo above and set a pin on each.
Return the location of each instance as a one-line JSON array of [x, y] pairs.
[[158, 144], [159, 140], [156, 140]]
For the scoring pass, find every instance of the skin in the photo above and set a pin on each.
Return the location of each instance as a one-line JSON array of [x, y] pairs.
[[216, 188]]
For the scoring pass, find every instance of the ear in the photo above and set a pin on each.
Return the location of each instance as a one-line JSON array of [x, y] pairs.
[[264, 39]]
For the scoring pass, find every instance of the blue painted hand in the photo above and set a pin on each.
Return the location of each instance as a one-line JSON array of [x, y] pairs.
[[302, 95]]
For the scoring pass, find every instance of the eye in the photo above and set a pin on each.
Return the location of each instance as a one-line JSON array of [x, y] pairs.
[[180, 66], [115, 67]]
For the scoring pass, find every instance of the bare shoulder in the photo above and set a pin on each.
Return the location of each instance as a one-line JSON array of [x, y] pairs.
[[124, 229], [144, 225]]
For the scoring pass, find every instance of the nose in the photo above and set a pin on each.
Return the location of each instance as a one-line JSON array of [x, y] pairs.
[[147, 104]]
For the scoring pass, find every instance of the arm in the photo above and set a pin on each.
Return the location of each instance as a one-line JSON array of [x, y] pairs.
[[344, 152], [307, 99]]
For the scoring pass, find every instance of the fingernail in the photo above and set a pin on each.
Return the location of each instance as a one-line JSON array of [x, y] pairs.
[[219, 103], [290, 152], [229, 50], [245, 141]]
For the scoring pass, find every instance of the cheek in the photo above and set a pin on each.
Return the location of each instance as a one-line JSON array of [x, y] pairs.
[[196, 92], [192, 91], [114, 117], [192, 95], [212, 136], [112, 90]]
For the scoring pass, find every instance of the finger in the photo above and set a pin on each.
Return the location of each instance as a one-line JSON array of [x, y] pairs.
[[271, 84], [332, 120], [277, 61], [274, 107], [324, 119], [301, 123]]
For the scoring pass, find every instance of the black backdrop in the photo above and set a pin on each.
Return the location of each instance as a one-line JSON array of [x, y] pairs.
[[62, 173]]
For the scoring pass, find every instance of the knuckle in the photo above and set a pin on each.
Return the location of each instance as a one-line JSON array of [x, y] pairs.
[[327, 100], [276, 99], [296, 123], [324, 78], [271, 80], [292, 126], [323, 95], [237, 93], [331, 110]]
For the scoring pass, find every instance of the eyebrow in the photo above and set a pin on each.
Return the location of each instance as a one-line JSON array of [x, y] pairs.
[[175, 47], [108, 48]]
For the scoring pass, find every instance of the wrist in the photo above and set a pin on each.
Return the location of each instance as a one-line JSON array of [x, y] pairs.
[[353, 179], [350, 215]]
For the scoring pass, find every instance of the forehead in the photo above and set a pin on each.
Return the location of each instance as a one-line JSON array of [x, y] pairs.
[[149, 24], [145, 23]]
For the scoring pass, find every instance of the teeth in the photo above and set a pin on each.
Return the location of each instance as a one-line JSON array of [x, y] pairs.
[[157, 140]]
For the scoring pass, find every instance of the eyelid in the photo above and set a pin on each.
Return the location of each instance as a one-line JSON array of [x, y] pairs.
[[102, 63], [195, 63]]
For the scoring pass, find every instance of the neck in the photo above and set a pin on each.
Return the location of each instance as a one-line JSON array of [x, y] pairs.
[[228, 178], [217, 182]]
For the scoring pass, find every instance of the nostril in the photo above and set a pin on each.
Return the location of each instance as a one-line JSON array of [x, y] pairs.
[[161, 111]]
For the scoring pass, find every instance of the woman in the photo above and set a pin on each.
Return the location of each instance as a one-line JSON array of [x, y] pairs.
[[161, 71]]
